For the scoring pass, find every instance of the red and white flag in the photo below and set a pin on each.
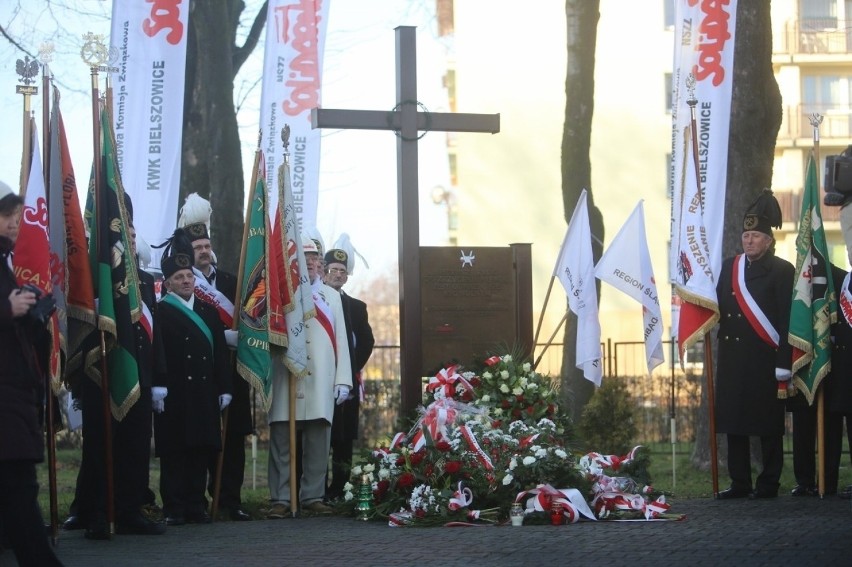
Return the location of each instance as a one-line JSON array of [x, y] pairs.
[[292, 73], [147, 108], [575, 268], [626, 265], [291, 301], [32, 249]]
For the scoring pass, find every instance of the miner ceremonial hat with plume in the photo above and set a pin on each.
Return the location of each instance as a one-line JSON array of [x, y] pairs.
[[178, 254], [763, 214], [344, 253], [195, 217]]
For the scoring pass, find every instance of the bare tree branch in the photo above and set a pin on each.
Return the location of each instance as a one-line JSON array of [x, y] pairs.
[[14, 42], [242, 53]]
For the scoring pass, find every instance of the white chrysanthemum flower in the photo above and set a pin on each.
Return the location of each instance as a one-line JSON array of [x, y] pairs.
[[504, 374], [485, 399], [369, 467], [532, 387], [544, 422], [384, 473], [504, 388], [527, 367], [507, 358], [356, 470], [507, 480], [348, 496], [535, 448], [541, 453], [487, 375], [523, 381], [518, 391], [528, 460], [348, 487], [498, 411], [513, 464], [561, 454]]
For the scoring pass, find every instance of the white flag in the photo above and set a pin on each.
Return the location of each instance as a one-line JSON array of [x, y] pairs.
[[147, 110], [292, 73], [626, 265], [575, 268]]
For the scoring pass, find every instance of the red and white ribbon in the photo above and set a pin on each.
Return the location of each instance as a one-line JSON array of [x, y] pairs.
[[570, 500], [753, 314], [446, 381], [462, 498], [474, 446]]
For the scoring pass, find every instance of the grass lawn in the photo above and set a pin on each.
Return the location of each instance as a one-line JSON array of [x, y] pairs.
[[688, 482]]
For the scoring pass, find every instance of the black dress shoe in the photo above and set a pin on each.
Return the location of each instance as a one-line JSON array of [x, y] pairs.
[[175, 520], [238, 515], [137, 524], [804, 490], [198, 518], [759, 494], [73, 522], [731, 493]]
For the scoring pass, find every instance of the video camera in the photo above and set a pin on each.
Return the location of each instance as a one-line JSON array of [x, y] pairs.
[[44, 306], [838, 179]]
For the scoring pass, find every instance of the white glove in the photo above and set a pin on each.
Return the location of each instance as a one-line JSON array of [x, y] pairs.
[[341, 393], [232, 337], [782, 374], [224, 400], [158, 395]]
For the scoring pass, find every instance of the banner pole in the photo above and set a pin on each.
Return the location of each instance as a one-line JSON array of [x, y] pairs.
[[220, 460], [816, 121]]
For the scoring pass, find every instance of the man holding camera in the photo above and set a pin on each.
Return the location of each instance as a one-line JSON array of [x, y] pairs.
[[23, 343]]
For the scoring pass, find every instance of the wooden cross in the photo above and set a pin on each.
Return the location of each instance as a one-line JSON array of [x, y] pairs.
[[406, 121]]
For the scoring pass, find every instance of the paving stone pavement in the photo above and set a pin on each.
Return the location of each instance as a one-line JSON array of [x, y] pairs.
[[782, 531]]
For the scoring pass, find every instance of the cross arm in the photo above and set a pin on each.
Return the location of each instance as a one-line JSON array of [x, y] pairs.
[[391, 120]]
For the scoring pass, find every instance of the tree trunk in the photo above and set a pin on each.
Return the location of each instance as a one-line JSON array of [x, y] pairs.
[[212, 159], [582, 19], [755, 119]]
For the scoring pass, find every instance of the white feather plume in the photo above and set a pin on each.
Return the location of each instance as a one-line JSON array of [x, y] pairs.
[[196, 209], [344, 243]]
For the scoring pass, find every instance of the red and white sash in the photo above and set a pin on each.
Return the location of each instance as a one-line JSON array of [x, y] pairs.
[[845, 299], [756, 318], [325, 318], [147, 321], [214, 297]]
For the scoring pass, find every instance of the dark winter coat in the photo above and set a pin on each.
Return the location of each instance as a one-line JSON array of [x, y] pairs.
[[361, 342], [195, 376], [838, 384], [746, 389], [21, 382]]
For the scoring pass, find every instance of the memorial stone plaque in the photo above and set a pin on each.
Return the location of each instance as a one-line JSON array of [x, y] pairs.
[[470, 304]]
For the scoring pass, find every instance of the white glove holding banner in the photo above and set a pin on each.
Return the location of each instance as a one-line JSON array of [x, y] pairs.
[[224, 400], [341, 394], [232, 338], [158, 396], [782, 374]]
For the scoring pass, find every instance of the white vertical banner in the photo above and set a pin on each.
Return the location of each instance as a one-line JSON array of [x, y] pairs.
[[626, 265], [575, 268], [703, 53], [292, 72], [148, 88]]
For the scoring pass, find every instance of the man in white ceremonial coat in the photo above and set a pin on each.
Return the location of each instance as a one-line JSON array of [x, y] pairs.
[[328, 381]]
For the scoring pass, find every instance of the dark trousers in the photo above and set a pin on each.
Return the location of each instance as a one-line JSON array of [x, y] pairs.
[[233, 471], [183, 478], [341, 465], [20, 517], [834, 447], [131, 455], [739, 462]]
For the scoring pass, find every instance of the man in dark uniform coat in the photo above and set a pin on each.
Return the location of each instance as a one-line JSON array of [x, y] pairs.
[[344, 427], [188, 398], [131, 438], [838, 385], [239, 411], [754, 292]]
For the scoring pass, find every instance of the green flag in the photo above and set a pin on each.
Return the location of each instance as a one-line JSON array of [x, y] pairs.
[[253, 357], [116, 282], [814, 305]]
